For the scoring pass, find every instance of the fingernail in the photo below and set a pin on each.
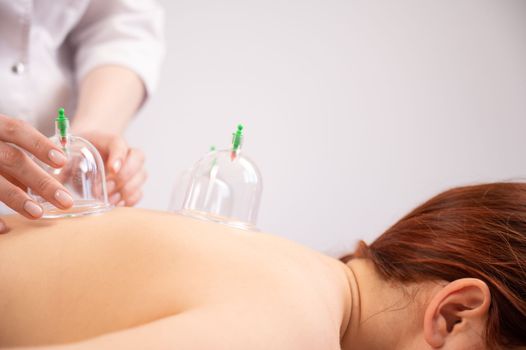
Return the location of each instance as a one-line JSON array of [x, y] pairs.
[[33, 209], [121, 204], [64, 198], [110, 186], [115, 198], [57, 157], [117, 166]]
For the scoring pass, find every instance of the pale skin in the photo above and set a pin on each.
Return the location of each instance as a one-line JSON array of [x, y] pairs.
[[109, 97], [137, 279], [18, 171]]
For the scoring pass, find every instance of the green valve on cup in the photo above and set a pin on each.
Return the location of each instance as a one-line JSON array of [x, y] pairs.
[[62, 125], [237, 141]]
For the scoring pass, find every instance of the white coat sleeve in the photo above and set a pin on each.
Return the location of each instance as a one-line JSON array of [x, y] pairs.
[[128, 33]]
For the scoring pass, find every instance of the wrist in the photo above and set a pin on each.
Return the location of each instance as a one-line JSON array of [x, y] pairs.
[[79, 126]]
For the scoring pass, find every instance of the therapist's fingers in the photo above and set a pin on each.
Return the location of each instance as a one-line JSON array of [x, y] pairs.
[[18, 200], [26, 136], [132, 188], [15, 163], [15, 182], [117, 153], [132, 166], [134, 199]]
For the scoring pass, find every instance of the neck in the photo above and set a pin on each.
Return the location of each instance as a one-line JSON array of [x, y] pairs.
[[381, 313]]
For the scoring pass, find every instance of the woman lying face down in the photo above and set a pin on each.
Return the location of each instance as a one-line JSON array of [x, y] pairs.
[[450, 275]]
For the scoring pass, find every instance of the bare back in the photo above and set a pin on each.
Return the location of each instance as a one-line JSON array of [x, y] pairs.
[[69, 280]]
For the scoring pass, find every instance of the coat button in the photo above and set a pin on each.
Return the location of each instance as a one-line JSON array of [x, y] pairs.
[[18, 68]]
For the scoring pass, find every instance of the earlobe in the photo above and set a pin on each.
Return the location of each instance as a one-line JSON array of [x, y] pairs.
[[460, 305]]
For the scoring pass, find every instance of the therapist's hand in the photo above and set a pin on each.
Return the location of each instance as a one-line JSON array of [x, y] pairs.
[[18, 171], [124, 165]]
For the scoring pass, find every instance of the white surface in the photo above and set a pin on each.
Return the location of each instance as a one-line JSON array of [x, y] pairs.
[[355, 111]]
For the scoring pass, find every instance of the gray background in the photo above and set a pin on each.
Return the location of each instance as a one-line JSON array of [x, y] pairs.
[[355, 111]]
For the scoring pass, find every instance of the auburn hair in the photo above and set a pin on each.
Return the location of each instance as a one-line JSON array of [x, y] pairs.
[[474, 231]]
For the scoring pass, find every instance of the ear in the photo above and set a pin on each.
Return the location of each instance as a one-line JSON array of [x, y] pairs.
[[455, 312]]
